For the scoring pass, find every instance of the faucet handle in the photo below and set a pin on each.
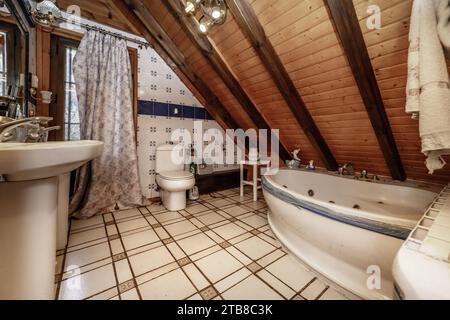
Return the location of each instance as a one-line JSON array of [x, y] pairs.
[[41, 120], [43, 132], [364, 174]]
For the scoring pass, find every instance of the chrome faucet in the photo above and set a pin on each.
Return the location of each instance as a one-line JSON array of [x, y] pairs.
[[25, 130], [43, 132], [347, 169]]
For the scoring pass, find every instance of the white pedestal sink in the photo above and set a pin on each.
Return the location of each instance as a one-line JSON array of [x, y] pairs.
[[28, 212]]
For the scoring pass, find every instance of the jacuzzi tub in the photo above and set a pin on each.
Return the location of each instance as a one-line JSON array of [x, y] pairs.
[[344, 229]]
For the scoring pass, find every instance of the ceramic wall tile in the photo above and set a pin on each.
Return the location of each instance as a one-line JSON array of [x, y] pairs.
[[165, 104]]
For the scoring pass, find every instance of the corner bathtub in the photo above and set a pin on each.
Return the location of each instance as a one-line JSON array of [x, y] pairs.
[[340, 227]]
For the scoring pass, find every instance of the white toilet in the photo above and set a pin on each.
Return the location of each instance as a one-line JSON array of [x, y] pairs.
[[172, 179]]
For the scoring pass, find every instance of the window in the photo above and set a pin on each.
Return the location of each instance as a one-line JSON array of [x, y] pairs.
[[64, 107], [3, 64], [71, 115]]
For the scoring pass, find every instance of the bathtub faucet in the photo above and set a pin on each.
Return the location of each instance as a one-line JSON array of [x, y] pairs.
[[347, 169], [364, 174]]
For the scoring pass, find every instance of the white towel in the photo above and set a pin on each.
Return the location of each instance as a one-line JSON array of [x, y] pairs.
[[428, 89], [413, 83]]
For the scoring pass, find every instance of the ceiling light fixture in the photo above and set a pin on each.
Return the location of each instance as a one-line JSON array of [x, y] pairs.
[[46, 12], [191, 6], [214, 12], [204, 24]]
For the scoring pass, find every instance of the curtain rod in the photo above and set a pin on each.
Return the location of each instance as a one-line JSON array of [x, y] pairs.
[[104, 31]]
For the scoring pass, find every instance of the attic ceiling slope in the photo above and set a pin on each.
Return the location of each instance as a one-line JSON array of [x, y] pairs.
[[101, 11], [304, 39], [347, 27], [388, 51], [220, 66], [248, 21]]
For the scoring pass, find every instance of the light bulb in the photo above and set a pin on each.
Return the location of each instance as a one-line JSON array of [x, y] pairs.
[[190, 7], [216, 13], [203, 27]]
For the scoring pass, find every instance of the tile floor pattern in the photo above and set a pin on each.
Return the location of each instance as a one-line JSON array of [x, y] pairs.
[[220, 247]]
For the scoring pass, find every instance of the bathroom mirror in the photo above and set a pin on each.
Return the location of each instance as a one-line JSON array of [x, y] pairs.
[[15, 26]]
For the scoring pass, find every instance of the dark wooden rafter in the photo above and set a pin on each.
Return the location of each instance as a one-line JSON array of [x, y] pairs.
[[250, 25], [346, 24], [151, 31], [213, 57]]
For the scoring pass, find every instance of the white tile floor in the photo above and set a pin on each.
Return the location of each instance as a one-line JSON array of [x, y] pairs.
[[220, 247]]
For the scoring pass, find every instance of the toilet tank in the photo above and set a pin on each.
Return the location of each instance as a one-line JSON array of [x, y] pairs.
[[164, 160]]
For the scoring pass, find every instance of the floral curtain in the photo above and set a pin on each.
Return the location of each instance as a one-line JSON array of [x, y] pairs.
[[103, 79]]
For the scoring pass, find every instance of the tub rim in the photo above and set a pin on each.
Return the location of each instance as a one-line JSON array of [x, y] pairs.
[[356, 218]]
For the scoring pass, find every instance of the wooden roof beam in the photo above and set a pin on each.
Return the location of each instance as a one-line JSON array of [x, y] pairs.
[[345, 20], [165, 47], [250, 25], [190, 26]]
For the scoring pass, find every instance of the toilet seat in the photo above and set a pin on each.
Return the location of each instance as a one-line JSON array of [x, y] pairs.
[[176, 175]]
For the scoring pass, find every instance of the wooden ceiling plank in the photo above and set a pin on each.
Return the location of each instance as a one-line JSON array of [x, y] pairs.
[[249, 23], [343, 15], [214, 58], [151, 31]]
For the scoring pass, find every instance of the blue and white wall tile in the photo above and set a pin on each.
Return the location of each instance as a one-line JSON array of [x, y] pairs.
[[165, 104]]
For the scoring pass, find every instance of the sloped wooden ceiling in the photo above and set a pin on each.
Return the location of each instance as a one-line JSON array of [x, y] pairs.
[[306, 42], [101, 11], [388, 50]]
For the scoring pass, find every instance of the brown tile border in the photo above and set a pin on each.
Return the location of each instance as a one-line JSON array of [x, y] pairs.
[[254, 267], [168, 240], [127, 285], [184, 261], [113, 237], [225, 244], [209, 293], [58, 278], [119, 256]]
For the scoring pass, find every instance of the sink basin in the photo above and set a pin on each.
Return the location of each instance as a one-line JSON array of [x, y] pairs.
[[34, 212], [31, 161]]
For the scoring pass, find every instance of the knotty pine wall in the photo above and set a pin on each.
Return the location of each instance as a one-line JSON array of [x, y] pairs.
[[388, 50], [304, 38]]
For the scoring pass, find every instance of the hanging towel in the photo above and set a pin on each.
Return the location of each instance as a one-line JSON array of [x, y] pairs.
[[443, 27], [413, 83], [428, 91]]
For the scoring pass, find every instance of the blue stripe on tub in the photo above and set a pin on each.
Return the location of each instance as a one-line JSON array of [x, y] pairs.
[[371, 225], [169, 110]]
